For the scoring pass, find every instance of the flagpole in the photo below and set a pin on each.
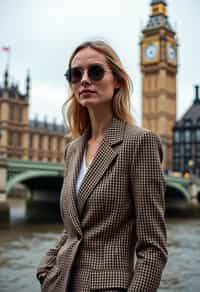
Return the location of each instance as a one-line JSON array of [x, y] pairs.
[[8, 59], [7, 50]]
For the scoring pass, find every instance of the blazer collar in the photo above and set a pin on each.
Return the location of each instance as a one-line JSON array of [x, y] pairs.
[[115, 132]]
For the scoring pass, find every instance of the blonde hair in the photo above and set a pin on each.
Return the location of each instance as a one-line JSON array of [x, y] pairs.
[[77, 115]]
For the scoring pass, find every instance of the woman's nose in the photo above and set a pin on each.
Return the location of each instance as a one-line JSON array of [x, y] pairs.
[[85, 78]]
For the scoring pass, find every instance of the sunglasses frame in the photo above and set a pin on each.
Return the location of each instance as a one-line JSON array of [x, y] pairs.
[[91, 75]]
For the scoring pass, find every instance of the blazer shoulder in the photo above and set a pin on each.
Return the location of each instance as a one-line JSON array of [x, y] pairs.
[[136, 132], [144, 139], [70, 146]]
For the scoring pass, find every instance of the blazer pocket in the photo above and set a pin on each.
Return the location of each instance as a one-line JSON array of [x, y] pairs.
[[102, 279], [109, 290], [50, 280]]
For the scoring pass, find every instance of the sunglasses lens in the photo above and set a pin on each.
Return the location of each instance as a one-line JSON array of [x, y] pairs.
[[75, 75], [96, 72]]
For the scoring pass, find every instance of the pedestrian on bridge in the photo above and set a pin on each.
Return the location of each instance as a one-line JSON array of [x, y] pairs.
[[112, 199]]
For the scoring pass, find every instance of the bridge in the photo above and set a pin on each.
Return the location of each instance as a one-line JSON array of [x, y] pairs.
[[43, 181]]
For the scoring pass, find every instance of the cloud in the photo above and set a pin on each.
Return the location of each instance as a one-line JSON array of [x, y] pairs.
[[47, 99]]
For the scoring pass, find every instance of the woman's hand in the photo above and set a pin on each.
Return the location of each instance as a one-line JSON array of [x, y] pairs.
[[42, 276]]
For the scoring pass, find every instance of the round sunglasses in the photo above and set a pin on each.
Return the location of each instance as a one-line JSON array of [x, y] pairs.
[[95, 72]]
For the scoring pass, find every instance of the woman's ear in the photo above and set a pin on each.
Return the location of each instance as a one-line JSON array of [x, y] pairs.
[[116, 90], [117, 81], [117, 84]]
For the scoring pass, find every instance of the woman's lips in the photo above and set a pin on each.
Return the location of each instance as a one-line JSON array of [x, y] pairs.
[[87, 92]]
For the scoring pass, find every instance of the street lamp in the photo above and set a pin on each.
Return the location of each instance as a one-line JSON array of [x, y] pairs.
[[191, 164], [193, 185]]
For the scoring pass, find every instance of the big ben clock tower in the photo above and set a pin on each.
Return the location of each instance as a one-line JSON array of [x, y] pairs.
[[159, 69]]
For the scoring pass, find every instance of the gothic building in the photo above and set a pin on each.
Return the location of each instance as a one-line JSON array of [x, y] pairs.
[[158, 47], [186, 139], [22, 138]]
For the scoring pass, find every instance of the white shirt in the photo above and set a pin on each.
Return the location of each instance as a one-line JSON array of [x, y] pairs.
[[82, 174]]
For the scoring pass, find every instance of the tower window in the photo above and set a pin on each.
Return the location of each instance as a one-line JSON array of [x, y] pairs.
[[19, 139], [15, 138], [50, 143], [176, 150], [31, 141], [187, 136], [155, 10], [198, 135], [176, 136], [20, 114], [40, 142], [10, 138], [11, 113], [187, 147], [59, 144]]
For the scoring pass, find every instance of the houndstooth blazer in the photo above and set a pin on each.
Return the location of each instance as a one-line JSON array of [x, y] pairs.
[[118, 212]]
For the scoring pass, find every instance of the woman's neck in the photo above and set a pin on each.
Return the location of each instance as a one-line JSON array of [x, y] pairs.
[[99, 123]]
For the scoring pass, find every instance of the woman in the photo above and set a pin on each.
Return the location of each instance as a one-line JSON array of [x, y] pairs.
[[112, 200]]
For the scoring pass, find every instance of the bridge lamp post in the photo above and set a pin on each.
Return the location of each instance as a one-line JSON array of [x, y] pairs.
[[193, 185]]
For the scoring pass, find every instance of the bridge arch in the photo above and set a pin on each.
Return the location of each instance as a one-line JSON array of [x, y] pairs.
[[44, 189], [176, 195], [25, 176]]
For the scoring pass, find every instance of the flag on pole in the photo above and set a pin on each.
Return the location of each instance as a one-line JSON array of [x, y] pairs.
[[6, 49]]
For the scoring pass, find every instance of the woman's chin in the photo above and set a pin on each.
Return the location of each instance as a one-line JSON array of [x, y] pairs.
[[90, 103]]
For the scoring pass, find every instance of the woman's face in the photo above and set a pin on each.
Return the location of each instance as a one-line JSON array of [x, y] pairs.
[[90, 93]]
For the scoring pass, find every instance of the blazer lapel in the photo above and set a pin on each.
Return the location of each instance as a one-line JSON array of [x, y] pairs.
[[76, 160], [102, 160]]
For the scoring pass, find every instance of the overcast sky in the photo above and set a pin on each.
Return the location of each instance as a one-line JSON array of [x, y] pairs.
[[43, 33]]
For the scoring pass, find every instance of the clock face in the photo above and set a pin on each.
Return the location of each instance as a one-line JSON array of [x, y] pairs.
[[150, 51], [171, 52]]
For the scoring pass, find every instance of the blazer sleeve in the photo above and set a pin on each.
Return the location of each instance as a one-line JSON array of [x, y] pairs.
[[148, 189], [48, 261]]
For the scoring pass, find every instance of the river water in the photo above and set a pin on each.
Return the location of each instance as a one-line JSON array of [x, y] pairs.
[[23, 245]]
